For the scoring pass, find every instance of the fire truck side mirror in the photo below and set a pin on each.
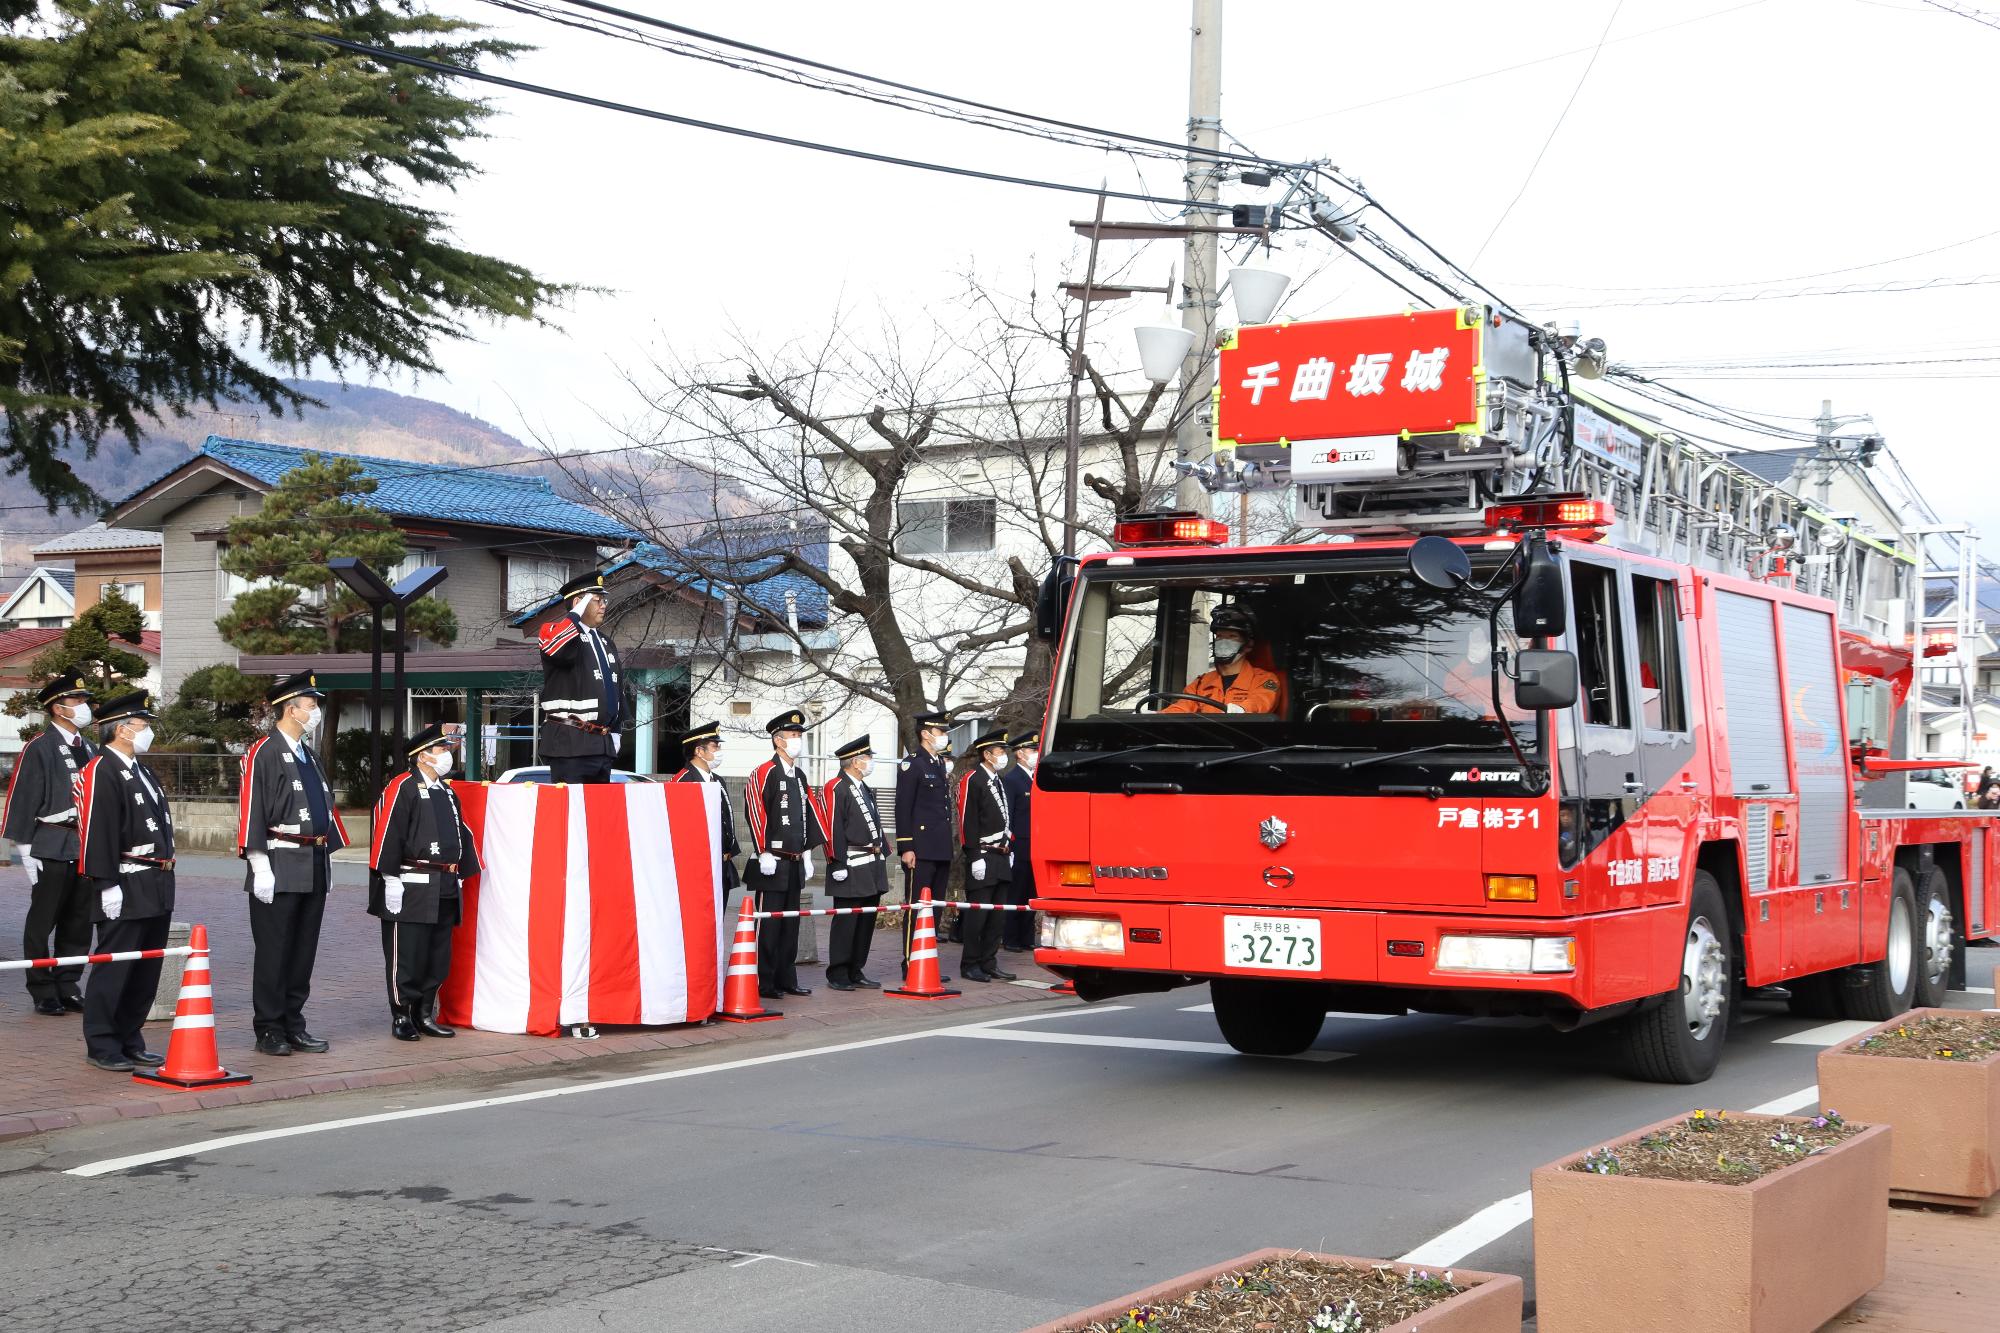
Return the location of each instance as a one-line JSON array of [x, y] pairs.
[[1439, 563], [1053, 601], [1544, 678], [1540, 611]]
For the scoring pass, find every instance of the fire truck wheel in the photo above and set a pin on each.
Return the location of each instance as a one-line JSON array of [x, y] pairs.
[[1877, 992], [1679, 1040], [1267, 1017], [1937, 931]]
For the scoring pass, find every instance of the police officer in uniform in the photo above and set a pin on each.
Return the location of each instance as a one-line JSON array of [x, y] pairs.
[[857, 864], [1017, 933], [423, 852], [987, 838], [785, 825], [41, 819], [924, 825], [125, 856], [582, 687], [287, 830], [702, 748]]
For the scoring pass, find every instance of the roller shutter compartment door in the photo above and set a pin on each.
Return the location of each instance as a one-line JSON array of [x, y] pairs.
[[1753, 713], [1819, 744]]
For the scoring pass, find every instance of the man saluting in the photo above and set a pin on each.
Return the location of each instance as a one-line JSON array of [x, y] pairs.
[[582, 688], [423, 853]]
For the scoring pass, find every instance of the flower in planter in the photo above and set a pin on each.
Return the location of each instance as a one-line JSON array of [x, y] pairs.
[[1346, 1319], [1601, 1162], [1139, 1317], [1831, 1120], [1792, 1144]]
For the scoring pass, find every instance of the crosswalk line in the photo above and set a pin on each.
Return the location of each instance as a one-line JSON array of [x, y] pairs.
[[1832, 1034], [1128, 1043]]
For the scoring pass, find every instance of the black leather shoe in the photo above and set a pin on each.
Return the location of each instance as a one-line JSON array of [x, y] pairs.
[[52, 1008], [400, 1026], [972, 974], [863, 983], [1000, 974], [430, 1027], [270, 1043], [111, 1065], [798, 990], [147, 1059], [766, 993], [307, 1042], [1014, 948], [841, 985], [73, 1003]]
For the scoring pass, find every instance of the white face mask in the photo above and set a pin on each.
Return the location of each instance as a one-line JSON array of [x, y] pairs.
[[142, 740], [79, 715], [999, 761], [309, 720], [794, 746], [1029, 759], [863, 768], [1226, 650], [441, 762], [934, 741]]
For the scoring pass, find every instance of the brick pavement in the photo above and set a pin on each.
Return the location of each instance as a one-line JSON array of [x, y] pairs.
[[1944, 1276], [45, 1084]]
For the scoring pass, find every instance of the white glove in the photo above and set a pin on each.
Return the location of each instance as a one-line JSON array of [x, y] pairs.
[[263, 884], [113, 901], [392, 894], [806, 864], [32, 866], [767, 864], [979, 870], [1232, 708], [839, 875], [617, 742]]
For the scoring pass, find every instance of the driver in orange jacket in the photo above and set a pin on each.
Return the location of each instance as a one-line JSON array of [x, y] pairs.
[[1237, 685]]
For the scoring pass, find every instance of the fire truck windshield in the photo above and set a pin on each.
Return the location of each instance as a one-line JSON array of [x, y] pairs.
[[1341, 659]]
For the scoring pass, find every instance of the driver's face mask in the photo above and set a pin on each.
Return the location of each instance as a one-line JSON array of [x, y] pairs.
[[1225, 648]]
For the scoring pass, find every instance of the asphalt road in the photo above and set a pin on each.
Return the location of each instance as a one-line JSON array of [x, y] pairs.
[[929, 1173]]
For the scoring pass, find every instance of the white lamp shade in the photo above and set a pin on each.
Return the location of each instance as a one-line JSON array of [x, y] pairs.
[[1162, 349], [1258, 291]]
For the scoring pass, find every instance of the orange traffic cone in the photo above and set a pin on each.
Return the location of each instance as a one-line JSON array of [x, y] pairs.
[[191, 1058], [921, 982], [740, 1001], [1063, 987]]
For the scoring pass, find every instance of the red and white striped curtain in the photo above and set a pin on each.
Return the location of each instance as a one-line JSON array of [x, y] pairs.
[[599, 904]]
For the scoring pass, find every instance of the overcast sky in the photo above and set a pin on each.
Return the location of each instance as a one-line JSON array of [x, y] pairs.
[[1715, 148]]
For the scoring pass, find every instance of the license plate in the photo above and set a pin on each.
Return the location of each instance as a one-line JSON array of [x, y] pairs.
[[1271, 943]]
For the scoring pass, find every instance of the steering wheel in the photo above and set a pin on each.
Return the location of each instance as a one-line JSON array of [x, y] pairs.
[[1170, 694]]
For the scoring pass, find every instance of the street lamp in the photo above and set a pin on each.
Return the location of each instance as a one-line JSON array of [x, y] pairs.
[[1258, 291], [370, 587]]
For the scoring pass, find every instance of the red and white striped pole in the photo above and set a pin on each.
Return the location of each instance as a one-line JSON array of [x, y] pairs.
[[78, 960]]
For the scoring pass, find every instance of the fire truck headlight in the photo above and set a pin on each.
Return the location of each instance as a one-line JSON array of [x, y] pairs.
[[1084, 934], [1520, 954]]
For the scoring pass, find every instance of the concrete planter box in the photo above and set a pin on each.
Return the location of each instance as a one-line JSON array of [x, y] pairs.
[[1490, 1304], [1946, 1115], [1782, 1254]]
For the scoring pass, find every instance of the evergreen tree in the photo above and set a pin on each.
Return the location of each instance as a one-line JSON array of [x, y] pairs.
[[89, 648], [191, 195], [315, 513], [217, 705]]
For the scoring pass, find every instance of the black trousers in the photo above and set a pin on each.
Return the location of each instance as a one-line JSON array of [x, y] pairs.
[[285, 933], [417, 958], [847, 951], [932, 875], [1018, 931], [778, 941], [982, 929], [580, 768], [119, 994], [58, 926]]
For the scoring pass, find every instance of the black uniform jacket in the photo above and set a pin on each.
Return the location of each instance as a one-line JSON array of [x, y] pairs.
[[273, 815], [923, 808], [1020, 785], [730, 850], [982, 817], [784, 820], [420, 835], [580, 683], [859, 844], [44, 783], [127, 837]]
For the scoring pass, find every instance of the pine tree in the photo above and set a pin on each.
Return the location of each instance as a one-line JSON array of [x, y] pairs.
[[179, 181], [89, 649], [315, 513], [218, 706]]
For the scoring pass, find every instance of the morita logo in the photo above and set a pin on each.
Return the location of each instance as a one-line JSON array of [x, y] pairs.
[[1486, 775], [1131, 872]]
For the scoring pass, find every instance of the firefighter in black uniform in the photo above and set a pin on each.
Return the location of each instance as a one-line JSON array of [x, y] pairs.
[[582, 687], [702, 748], [857, 864], [287, 830], [785, 825], [987, 838], [924, 825], [41, 819], [126, 858], [423, 852], [1017, 934]]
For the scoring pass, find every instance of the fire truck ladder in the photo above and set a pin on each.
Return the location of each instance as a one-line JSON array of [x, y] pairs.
[[1948, 621]]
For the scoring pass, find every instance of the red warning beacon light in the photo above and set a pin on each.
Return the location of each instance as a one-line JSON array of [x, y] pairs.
[[1587, 518], [1169, 527]]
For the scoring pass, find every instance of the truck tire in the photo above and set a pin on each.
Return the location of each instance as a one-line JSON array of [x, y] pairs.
[[1877, 992], [1937, 932], [1260, 1017], [1679, 1039]]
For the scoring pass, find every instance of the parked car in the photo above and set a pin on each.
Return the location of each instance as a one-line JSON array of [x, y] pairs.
[[540, 773], [1935, 789]]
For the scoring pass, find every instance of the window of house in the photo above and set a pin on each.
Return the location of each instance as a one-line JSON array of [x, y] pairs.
[[228, 586], [134, 593], [533, 579], [938, 527], [1661, 698], [411, 562], [1600, 645]]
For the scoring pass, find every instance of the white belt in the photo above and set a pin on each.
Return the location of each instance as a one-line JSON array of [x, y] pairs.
[[134, 867], [862, 858], [587, 708]]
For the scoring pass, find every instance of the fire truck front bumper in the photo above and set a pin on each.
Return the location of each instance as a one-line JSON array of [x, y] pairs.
[[1590, 962]]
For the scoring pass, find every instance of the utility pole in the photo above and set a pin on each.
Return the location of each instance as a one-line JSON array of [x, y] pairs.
[[1199, 301]]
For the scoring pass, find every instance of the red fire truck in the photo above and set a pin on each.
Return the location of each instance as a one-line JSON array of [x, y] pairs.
[[1505, 750]]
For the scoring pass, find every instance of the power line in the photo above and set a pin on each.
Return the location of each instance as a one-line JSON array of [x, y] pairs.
[[1765, 282], [1847, 289], [1966, 12]]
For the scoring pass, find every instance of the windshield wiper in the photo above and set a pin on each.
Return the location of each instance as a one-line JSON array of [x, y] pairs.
[[1308, 747], [1387, 755], [1078, 761]]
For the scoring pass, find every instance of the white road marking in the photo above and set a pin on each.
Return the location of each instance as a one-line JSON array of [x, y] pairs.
[[1131, 1043], [1337, 1013], [1976, 990], [1792, 1101], [1475, 1233], [752, 1256], [1830, 1035], [113, 1164]]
